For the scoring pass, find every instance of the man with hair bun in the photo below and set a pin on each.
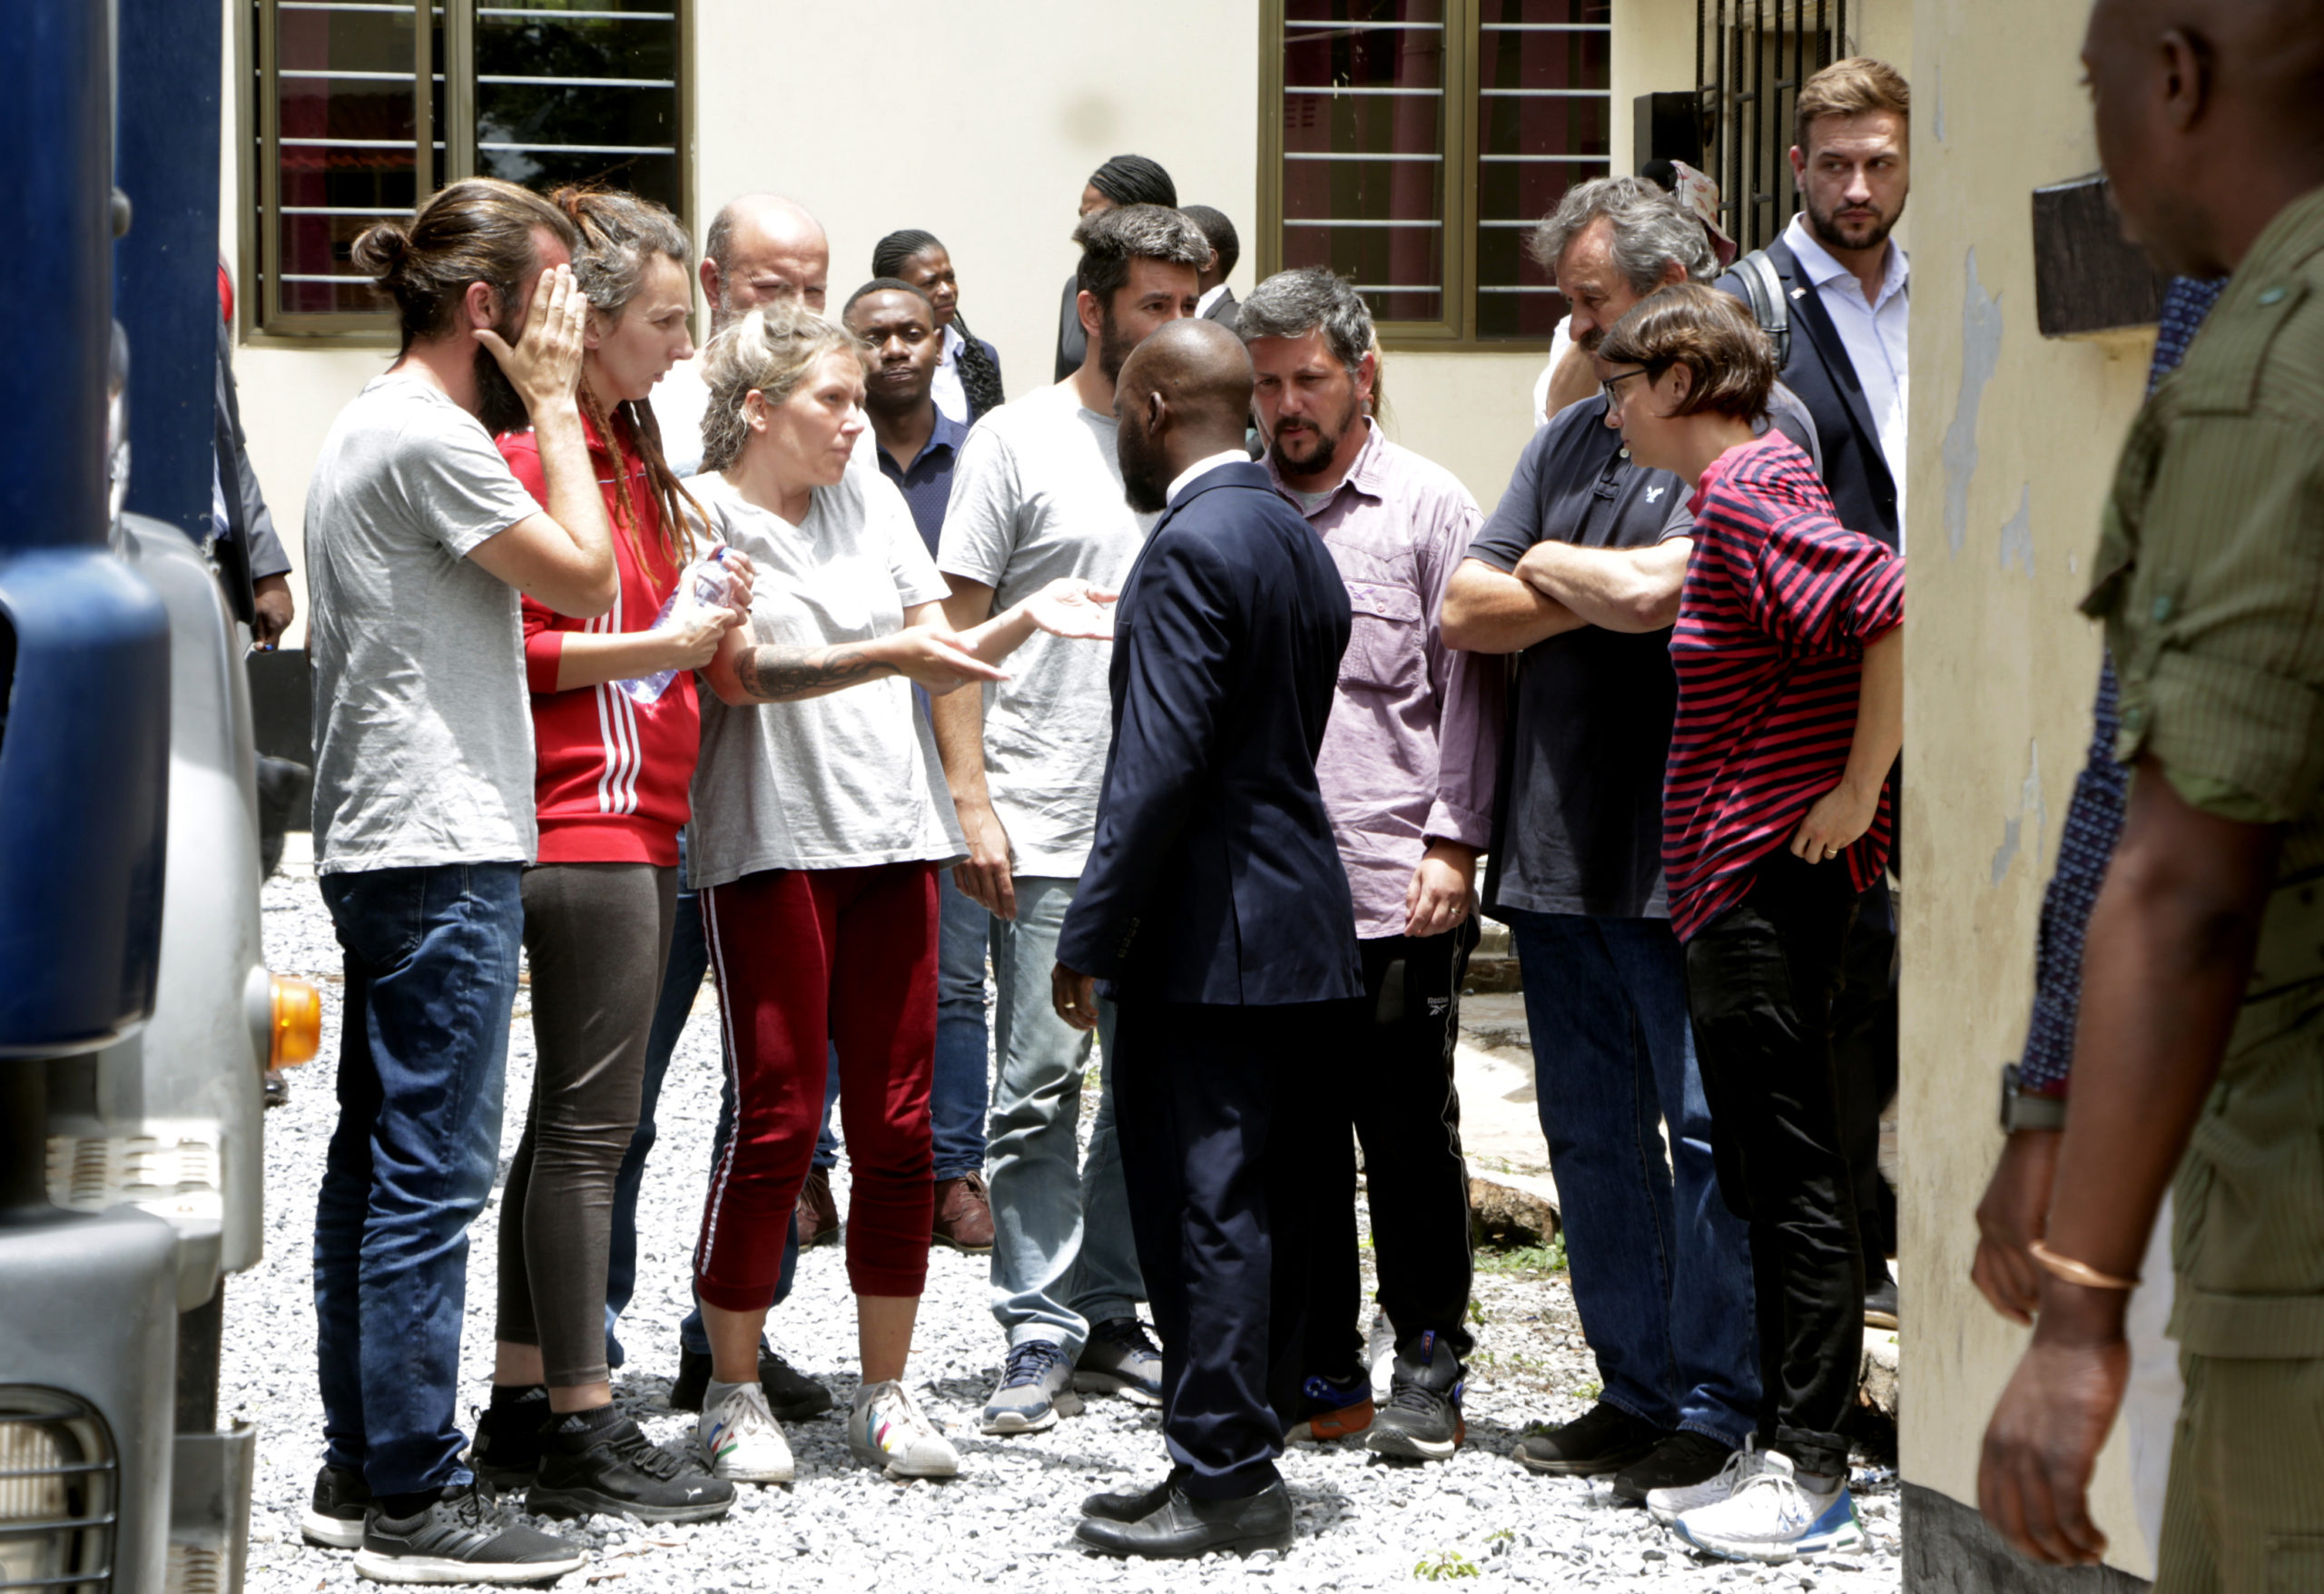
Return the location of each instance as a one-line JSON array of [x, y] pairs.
[[1038, 495], [1126, 179], [419, 540]]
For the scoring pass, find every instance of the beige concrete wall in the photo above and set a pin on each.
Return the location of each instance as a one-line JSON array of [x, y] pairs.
[[2014, 439]]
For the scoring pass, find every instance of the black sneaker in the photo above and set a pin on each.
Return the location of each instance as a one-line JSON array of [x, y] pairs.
[[791, 1395], [1880, 1301], [603, 1462], [460, 1538], [1604, 1439], [1421, 1421], [1680, 1461], [334, 1516], [1331, 1410], [507, 1451]]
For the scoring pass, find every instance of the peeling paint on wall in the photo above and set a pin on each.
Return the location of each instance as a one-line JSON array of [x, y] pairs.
[[2017, 533], [1980, 357], [2031, 804]]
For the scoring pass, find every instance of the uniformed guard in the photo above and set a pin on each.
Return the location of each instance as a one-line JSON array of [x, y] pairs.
[[2202, 1028]]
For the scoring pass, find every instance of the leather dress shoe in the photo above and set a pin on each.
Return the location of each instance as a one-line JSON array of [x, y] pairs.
[[1128, 1505], [1182, 1528]]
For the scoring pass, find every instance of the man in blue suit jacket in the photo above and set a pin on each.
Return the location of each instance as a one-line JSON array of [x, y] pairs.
[[1214, 909]]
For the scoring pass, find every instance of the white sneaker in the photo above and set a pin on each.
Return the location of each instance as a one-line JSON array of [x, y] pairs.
[[1772, 1517], [740, 1441], [1666, 1506], [887, 1430]]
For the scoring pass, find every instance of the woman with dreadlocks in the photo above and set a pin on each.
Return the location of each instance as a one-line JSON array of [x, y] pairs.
[[968, 371], [615, 726]]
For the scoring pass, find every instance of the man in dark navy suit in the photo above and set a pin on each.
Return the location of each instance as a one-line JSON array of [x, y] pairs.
[[1215, 908]]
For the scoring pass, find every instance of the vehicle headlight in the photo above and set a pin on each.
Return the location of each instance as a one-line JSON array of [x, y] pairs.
[[58, 1483]]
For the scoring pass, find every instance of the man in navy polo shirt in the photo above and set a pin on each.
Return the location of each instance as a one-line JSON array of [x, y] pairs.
[[918, 445]]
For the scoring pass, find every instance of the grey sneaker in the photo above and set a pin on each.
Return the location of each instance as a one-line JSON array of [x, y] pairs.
[[1121, 1358], [460, 1538], [1036, 1389]]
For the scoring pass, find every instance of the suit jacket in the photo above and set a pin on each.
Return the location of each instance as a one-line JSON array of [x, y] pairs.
[[1228, 312], [1214, 876], [1072, 342], [1856, 473]]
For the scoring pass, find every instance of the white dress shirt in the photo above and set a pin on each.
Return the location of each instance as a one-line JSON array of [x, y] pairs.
[[1201, 468], [951, 396], [1210, 296], [1875, 336]]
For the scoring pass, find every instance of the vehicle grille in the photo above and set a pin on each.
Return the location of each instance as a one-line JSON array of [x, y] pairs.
[[59, 1482]]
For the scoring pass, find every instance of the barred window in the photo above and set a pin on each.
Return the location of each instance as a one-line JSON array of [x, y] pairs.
[[1412, 142], [365, 106]]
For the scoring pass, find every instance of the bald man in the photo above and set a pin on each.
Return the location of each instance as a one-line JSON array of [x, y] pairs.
[[1214, 909], [762, 247], [2199, 1051]]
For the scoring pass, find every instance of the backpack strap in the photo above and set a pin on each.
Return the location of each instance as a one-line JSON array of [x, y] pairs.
[[1764, 285]]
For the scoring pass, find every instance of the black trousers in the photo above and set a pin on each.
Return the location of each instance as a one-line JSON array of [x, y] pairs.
[[1392, 1083], [1208, 1104], [1864, 1048], [1760, 979]]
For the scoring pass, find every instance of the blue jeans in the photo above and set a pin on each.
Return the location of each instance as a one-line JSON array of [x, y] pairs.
[[430, 956], [958, 1095], [681, 982], [1063, 1254], [1661, 1270]]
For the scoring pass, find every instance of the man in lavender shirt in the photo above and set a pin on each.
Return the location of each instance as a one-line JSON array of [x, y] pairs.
[[1407, 771]]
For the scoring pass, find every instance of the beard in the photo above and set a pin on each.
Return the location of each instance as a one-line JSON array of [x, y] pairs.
[[498, 405], [1114, 345], [1861, 230], [1146, 472], [1325, 446]]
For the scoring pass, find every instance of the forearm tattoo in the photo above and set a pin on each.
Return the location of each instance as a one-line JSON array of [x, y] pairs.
[[781, 675]]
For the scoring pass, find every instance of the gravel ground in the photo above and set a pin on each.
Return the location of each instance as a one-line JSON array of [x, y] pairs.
[[1006, 1522]]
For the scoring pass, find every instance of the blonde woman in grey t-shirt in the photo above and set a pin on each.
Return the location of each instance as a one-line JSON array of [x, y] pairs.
[[821, 818]]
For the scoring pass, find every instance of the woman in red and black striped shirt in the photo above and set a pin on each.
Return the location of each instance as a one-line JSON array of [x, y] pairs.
[[1789, 656]]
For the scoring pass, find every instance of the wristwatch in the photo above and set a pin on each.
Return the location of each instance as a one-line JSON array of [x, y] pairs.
[[2023, 1110]]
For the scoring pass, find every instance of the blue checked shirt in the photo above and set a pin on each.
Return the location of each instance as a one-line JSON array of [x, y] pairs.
[[2094, 819]]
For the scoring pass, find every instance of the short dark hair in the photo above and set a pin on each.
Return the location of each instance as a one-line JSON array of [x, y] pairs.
[[1220, 231], [1110, 239], [1711, 334], [887, 285]]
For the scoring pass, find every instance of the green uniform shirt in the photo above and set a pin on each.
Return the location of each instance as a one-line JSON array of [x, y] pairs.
[[2210, 576]]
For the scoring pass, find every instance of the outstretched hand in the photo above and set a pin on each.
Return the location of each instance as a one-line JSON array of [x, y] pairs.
[[1074, 608]]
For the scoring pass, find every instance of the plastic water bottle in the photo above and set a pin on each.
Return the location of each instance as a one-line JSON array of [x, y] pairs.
[[713, 588]]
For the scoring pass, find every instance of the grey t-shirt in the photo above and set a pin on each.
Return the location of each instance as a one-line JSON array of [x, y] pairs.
[[1038, 495], [838, 781], [423, 731]]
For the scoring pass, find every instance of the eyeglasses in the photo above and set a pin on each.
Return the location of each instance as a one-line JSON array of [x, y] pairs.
[[1611, 386]]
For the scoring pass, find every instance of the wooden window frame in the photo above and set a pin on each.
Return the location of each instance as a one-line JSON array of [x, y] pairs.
[[257, 133], [1456, 331]]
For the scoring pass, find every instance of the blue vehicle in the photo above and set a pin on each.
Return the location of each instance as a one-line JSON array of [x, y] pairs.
[[136, 1016]]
